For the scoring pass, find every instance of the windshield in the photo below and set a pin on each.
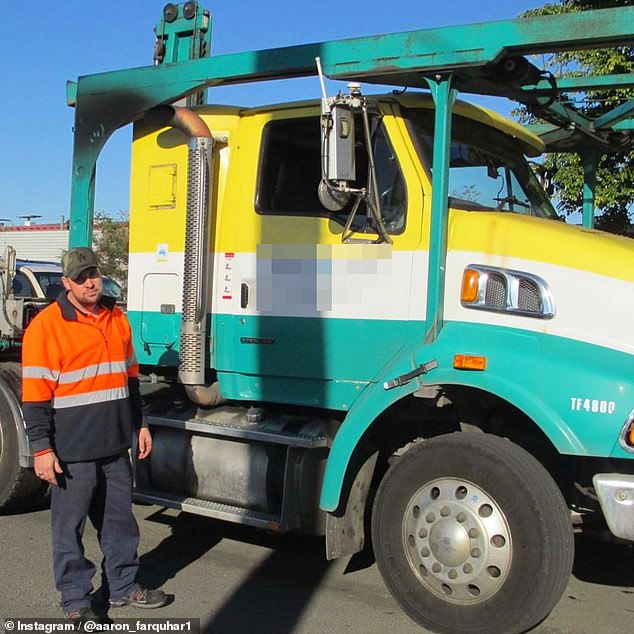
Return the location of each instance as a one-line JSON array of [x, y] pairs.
[[50, 283], [487, 170]]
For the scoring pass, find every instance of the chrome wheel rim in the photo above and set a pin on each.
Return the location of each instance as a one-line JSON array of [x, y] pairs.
[[457, 541]]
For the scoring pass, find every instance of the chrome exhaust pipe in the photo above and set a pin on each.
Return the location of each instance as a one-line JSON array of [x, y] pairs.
[[193, 331]]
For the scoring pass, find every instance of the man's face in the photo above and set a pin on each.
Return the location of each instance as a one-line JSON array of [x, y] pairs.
[[87, 288]]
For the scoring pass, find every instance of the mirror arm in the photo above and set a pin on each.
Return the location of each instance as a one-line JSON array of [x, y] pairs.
[[373, 200]]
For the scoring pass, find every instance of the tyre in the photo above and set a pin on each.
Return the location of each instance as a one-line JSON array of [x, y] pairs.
[[19, 486], [471, 535]]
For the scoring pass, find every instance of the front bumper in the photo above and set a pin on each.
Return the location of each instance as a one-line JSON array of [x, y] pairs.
[[616, 495]]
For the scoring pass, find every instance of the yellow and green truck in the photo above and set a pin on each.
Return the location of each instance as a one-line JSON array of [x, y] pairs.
[[361, 316]]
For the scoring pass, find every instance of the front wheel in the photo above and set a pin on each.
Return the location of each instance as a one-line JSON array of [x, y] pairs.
[[471, 535]]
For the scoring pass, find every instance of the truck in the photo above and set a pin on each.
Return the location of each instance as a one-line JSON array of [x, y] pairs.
[[360, 316]]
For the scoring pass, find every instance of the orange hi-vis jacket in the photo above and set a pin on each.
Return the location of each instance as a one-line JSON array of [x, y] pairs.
[[80, 386]]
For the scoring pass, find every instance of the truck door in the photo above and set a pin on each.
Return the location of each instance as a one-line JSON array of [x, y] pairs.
[[312, 313]]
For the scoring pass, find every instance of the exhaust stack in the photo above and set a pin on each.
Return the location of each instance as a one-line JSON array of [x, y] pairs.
[[193, 332]]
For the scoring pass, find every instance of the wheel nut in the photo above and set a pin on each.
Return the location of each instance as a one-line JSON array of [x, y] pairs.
[[453, 574], [467, 569], [445, 511], [476, 552], [430, 518], [473, 533], [423, 532], [461, 517], [425, 552], [436, 568]]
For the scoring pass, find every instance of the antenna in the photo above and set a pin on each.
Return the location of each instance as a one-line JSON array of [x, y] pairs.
[[320, 72], [28, 218]]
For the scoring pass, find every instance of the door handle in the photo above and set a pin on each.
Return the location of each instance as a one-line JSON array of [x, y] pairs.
[[244, 295]]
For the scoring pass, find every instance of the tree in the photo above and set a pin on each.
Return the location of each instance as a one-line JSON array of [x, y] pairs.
[[614, 195], [111, 245]]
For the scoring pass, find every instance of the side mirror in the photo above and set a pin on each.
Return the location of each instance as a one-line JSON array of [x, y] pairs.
[[332, 199]]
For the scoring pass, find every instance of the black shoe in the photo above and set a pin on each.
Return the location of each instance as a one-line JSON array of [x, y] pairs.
[[141, 598], [80, 617]]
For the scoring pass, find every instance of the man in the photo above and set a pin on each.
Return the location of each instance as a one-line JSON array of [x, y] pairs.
[[82, 403]]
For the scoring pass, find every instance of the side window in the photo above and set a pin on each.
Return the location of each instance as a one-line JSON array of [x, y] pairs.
[[21, 286], [391, 184], [51, 284], [290, 172]]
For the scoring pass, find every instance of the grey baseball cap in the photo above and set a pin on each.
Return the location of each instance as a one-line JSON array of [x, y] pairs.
[[76, 261]]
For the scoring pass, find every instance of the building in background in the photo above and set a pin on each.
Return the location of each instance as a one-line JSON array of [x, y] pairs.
[[36, 242]]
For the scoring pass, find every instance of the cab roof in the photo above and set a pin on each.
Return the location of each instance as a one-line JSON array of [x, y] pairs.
[[531, 144]]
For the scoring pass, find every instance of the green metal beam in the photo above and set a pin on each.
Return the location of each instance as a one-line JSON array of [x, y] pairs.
[[581, 84], [562, 115], [590, 162], [374, 58], [610, 119], [575, 139], [444, 98], [624, 126]]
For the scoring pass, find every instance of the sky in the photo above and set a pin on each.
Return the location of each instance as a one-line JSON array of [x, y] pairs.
[[47, 42]]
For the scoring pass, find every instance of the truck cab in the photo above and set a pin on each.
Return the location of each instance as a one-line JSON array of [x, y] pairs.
[[289, 270]]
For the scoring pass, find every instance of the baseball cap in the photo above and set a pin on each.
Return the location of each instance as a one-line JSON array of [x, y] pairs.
[[76, 261]]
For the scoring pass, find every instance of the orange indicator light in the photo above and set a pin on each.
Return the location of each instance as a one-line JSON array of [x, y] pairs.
[[470, 283], [632, 435], [469, 362]]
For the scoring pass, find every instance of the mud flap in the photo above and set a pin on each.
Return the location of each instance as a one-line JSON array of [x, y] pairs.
[[345, 535]]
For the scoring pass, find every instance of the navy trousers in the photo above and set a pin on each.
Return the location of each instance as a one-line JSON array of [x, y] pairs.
[[102, 491]]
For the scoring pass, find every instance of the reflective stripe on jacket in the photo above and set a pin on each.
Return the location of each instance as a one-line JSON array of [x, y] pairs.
[[80, 385]]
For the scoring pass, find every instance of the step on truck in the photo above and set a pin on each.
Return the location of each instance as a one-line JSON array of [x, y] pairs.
[[360, 317]]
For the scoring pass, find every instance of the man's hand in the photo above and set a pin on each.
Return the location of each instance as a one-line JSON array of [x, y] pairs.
[[46, 466], [145, 443]]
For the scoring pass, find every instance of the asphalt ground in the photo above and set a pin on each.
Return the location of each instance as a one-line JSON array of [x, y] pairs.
[[238, 580]]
